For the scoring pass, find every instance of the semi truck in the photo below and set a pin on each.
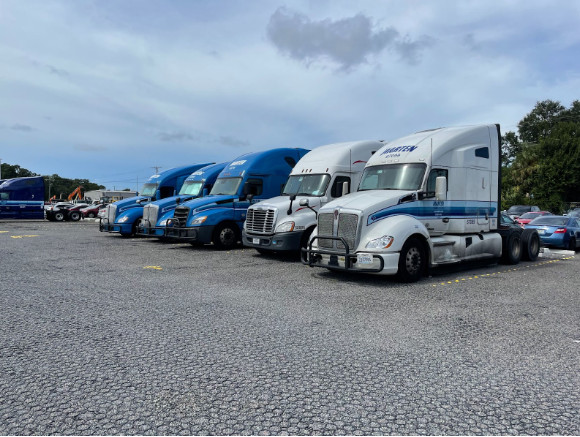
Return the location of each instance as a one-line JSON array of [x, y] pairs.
[[425, 200], [326, 173], [218, 218], [123, 217], [198, 184], [22, 198]]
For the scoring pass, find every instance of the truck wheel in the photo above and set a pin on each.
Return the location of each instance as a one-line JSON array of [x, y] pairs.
[[59, 216], [75, 216], [225, 236], [572, 244], [530, 244], [304, 242], [412, 261], [91, 215], [511, 247]]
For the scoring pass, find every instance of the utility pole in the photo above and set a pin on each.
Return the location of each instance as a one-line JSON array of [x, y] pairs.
[[0, 168], [156, 169]]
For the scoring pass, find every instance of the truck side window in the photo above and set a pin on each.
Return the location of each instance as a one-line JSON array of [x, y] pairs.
[[166, 192], [482, 152], [336, 190], [255, 186], [433, 175]]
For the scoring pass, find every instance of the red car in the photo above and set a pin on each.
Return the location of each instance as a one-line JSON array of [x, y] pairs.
[[524, 219], [92, 210]]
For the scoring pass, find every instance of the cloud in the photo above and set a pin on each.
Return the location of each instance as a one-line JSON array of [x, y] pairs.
[[89, 148], [21, 127], [175, 136], [348, 42], [232, 142]]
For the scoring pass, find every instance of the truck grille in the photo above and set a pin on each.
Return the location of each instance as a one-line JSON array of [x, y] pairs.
[[325, 228], [150, 213], [260, 221], [347, 228], [111, 213], [180, 216]]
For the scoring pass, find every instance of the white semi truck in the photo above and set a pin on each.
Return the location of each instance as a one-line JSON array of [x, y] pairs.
[[326, 173], [424, 200]]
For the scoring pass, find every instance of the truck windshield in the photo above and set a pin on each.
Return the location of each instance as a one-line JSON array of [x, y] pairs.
[[307, 185], [393, 177], [148, 190], [226, 186], [191, 188]]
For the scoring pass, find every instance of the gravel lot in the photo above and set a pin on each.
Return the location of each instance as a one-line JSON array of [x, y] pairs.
[[106, 335]]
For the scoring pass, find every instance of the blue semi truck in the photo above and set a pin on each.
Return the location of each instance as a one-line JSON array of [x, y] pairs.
[[123, 217], [198, 184], [218, 218], [22, 198]]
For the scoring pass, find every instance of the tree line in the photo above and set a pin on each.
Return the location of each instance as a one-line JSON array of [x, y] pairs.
[[540, 163], [54, 185]]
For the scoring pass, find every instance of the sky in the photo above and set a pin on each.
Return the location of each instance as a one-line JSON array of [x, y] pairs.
[[109, 90]]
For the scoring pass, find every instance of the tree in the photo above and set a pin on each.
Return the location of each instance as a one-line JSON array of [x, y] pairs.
[[510, 147], [540, 121], [15, 171]]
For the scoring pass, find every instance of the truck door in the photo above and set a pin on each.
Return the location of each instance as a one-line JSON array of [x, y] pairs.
[[482, 160], [436, 218]]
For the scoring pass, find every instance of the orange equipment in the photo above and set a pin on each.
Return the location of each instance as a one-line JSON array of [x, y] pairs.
[[76, 194]]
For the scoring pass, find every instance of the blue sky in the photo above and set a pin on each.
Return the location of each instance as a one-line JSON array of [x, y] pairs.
[[108, 89]]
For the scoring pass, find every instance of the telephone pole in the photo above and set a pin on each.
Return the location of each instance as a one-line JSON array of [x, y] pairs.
[[156, 169]]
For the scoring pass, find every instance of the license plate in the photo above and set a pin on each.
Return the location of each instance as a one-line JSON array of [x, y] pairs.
[[256, 240], [364, 258], [541, 231]]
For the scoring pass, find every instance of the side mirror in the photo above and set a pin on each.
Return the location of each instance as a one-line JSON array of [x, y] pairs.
[[249, 197], [178, 200], [246, 189], [304, 202], [441, 188], [292, 197], [345, 189]]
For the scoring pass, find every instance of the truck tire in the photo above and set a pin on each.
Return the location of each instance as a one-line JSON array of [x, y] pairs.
[[91, 215], [226, 236], [572, 244], [511, 247], [530, 244], [412, 261], [75, 216], [59, 216]]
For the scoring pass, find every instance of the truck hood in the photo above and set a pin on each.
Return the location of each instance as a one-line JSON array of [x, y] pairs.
[[170, 202], [199, 204], [282, 203], [367, 202], [131, 202]]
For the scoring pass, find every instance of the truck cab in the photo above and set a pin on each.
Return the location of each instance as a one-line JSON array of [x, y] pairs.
[[284, 223], [22, 198], [424, 200], [218, 218], [198, 184], [123, 217]]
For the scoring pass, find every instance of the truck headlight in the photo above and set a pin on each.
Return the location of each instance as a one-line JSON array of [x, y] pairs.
[[199, 220], [163, 222], [123, 219], [383, 242], [285, 227]]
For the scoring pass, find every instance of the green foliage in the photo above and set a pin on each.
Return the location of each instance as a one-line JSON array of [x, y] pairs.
[[544, 168], [15, 171]]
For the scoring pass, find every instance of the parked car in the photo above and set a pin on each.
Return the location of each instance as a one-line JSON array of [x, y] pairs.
[[92, 211], [529, 216], [516, 211], [58, 211], [573, 213], [65, 211], [506, 220], [557, 231]]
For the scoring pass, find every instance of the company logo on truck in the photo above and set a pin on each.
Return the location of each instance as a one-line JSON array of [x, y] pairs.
[[395, 152]]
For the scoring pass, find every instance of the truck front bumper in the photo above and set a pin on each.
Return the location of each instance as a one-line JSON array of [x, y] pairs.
[[146, 230], [106, 226], [288, 241], [200, 234], [386, 264]]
